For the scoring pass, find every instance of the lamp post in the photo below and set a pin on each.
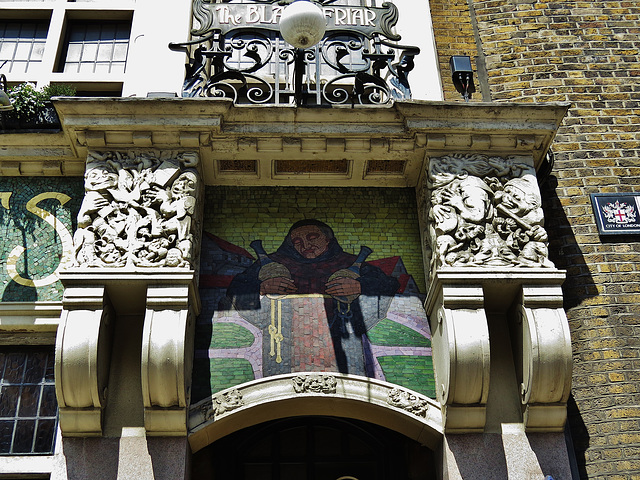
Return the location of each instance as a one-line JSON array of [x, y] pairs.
[[5, 101], [302, 25]]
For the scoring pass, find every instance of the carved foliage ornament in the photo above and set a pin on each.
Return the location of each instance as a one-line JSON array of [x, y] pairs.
[[408, 401], [222, 403], [139, 209], [485, 211], [315, 384]]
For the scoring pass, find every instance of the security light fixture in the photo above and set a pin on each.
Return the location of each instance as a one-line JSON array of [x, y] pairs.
[[302, 24], [5, 101], [462, 75]]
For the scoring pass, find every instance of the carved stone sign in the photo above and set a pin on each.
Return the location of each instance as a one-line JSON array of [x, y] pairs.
[[232, 16], [139, 209], [485, 211], [616, 214]]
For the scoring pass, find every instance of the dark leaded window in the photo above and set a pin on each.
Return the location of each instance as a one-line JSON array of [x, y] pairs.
[[28, 407]]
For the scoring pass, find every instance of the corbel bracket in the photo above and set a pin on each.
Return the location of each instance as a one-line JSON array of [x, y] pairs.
[[460, 337], [166, 359], [544, 340], [83, 351]]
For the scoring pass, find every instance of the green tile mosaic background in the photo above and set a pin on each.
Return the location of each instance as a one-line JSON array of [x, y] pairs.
[[391, 333], [414, 372], [383, 219], [221, 372], [43, 244]]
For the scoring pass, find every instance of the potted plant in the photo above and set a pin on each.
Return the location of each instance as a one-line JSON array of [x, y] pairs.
[[32, 108]]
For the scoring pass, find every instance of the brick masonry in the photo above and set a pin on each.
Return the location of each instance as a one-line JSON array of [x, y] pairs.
[[586, 53], [453, 31]]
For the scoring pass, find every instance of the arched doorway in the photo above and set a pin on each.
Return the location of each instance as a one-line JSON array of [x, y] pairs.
[[314, 448]]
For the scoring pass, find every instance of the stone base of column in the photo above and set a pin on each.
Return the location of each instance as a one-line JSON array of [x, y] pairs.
[[511, 454], [133, 455]]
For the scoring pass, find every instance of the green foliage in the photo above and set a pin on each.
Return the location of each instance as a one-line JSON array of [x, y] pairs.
[[27, 100], [58, 90]]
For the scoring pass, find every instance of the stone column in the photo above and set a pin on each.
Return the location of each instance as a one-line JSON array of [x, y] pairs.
[[130, 302], [501, 343]]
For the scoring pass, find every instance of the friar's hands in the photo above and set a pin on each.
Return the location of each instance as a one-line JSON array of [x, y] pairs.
[[278, 286], [343, 286]]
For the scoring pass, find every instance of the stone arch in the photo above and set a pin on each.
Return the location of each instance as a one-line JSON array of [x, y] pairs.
[[309, 394]]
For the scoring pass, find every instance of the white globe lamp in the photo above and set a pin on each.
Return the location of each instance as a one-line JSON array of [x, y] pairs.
[[302, 24]]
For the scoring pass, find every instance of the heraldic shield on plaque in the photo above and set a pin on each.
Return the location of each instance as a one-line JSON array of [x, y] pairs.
[[616, 214]]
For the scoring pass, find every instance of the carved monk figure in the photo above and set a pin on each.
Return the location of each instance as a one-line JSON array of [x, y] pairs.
[[520, 205], [461, 211]]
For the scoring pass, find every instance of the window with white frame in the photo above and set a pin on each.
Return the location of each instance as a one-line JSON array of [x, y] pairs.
[[22, 44], [96, 47]]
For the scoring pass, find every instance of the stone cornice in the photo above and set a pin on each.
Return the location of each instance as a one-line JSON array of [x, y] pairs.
[[407, 131]]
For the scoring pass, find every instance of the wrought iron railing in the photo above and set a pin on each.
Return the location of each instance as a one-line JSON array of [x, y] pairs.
[[238, 53]]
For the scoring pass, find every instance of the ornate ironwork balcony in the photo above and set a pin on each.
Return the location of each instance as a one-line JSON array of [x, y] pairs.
[[237, 52]]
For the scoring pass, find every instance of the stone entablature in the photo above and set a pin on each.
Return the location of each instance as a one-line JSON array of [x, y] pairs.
[[142, 190], [219, 132]]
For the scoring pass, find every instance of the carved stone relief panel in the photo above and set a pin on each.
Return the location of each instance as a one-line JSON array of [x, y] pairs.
[[140, 209], [484, 211]]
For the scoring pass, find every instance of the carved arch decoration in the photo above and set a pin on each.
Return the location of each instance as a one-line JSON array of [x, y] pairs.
[[350, 396]]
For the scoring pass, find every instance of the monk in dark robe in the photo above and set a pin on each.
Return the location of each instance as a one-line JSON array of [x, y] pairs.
[[321, 320]]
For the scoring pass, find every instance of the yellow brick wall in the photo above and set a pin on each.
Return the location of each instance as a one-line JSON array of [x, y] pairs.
[[453, 32], [586, 53]]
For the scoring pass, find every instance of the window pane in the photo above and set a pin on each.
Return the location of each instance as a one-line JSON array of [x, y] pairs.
[[35, 368], [6, 433], [48, 404], [120, 51], [96, 46], [45, 436], [105, 52], [14, 368], [28, 407], [23, 439], [73, 52], [9, 401], [90, 52], [50, 367], [29, 401]]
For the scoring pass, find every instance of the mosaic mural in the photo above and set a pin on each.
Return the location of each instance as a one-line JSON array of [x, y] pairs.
[[37, 220], [308, 280]]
